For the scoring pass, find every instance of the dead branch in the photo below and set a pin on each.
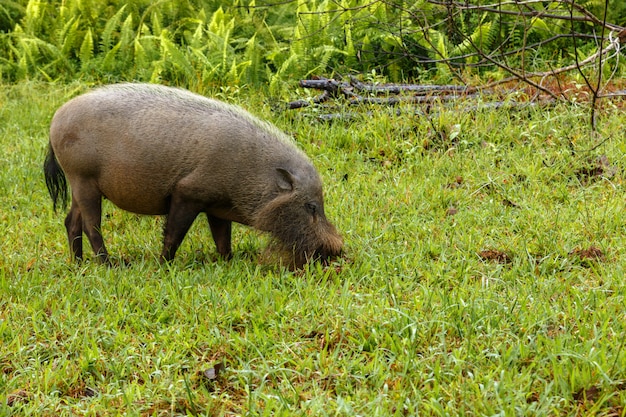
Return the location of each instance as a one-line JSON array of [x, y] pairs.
[[391, 101], [338, 88], [353, 89]]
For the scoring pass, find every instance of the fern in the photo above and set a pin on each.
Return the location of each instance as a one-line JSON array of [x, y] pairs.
[[172, 56], [127, 34], [145, 51], [537, 24], [233, 76], [86, 50], [32, 22], [219, 31], [89, 10], [479, 39], [17, 55], [68, 36], [316, 38], [437, 42], [238, 41], [108, 63], [9, 12], [297, 46], [281, 73], [155, 21], [350, 50], [197, 38], [38, 55], [252, 55], [106, 40]]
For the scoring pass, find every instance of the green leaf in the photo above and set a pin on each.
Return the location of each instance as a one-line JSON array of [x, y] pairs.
[[110, 58], [111, 25], [68, 35], [86, 49], [171, 54]]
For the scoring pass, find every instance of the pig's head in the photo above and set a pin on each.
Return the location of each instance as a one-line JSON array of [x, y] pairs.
[[295, 217]]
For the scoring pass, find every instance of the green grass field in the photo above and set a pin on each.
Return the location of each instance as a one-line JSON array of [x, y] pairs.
[[483, 275]]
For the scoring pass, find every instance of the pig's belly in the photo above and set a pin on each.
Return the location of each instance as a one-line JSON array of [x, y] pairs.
[[137, 197]]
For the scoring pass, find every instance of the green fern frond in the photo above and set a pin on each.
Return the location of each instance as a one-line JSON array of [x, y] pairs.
[[126, 33], [10, 13], [537, 24], [281, 73], [106, 40], [86, 49], [146, 53], [139, 53], [38, 54], [32, 22], [234, 74], [479, 39], [219, 24], [68, 36], [156, 23], [173, 56], [197, 39], [252, 54], [108, 63], [439, 42]]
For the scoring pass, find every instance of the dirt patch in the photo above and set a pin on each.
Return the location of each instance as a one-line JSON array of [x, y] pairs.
[[495, 255]]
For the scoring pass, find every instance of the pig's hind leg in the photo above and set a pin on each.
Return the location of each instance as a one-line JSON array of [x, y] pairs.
[[85, 216], [74, 227]]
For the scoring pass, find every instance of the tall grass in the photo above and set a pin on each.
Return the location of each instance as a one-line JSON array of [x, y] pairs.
[[483, 275]]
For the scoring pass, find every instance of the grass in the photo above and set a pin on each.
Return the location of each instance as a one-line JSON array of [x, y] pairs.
[[483, 276]]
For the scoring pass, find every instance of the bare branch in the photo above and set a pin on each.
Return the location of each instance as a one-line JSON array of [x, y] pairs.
[[585, 16]]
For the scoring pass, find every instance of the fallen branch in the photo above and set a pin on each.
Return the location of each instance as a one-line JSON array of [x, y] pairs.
[[408, 99], [392, 94], [304, 103], [336, 88], [421, 93]]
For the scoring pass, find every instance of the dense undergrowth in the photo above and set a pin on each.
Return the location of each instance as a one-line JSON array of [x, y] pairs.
[[214, 43]]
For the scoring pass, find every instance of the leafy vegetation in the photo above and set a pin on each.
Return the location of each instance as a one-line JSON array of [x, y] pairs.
[[483, 275], [239, 42]]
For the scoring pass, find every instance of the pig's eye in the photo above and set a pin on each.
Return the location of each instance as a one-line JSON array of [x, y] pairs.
[[311, 208]]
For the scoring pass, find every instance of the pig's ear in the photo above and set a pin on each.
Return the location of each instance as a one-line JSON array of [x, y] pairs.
[[285, 179]]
